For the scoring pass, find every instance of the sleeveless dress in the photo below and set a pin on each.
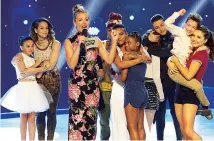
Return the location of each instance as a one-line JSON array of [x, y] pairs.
[[118, 117], [52, 82], [135, 92], [84, 94], [50, 79], [25, 97]]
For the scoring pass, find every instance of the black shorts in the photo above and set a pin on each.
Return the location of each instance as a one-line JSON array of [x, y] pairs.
[[185, 95]]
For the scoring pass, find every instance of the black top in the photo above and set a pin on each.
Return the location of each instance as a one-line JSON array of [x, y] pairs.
[[161, 49]]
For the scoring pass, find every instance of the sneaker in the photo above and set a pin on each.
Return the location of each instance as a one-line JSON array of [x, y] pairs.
[[205, 112]]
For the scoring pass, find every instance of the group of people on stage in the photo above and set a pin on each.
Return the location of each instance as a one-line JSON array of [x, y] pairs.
[[122, 79]]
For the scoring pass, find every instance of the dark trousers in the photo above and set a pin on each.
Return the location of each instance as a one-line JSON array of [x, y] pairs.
[[51, 120], [104, 115], [169, 88]]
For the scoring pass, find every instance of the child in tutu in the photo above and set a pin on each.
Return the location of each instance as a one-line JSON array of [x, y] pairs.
[[26, 97]]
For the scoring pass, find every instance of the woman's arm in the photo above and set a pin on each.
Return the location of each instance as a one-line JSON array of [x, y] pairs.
[[23, 69], [126, 64], [72, 52], [124, 74], [51, 63], [16, 59], [108, 57], [100, 74], [187, 73], [129, 63]]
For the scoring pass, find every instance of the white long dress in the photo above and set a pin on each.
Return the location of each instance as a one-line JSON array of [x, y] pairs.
[[118, 117]]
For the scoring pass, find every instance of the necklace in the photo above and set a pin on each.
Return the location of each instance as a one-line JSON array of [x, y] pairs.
[[42, 45]]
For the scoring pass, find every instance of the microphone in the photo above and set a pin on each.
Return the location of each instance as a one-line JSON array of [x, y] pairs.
[[82, 45], [85, 32]]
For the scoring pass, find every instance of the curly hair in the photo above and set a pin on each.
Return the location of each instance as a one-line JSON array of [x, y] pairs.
[[35, 25], [135, 35]]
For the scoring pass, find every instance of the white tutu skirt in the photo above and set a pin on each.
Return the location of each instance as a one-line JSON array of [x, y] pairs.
[[26, 97]]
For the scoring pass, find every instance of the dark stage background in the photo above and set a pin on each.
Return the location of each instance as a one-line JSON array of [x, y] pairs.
[[17, 16]]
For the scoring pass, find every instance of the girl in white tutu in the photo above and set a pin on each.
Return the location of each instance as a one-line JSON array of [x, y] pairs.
[[26, 97]]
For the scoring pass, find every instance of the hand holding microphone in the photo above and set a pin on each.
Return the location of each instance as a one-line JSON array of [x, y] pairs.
[[81, 41], [82, 37]]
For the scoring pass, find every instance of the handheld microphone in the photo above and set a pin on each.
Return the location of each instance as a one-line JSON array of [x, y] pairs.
[[82, 45]]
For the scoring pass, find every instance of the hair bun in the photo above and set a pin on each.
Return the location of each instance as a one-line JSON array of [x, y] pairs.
[[114, 16], [20, 39], [78, 7]]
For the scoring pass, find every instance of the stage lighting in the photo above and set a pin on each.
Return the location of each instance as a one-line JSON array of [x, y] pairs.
[[25, 21], [93, 31], [131, 17]]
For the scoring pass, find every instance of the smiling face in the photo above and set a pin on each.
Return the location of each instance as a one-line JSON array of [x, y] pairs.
[[190, 26], [81, 21], [198, 39]]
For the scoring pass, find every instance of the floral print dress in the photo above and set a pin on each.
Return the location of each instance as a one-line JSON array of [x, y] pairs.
[[84, 97]]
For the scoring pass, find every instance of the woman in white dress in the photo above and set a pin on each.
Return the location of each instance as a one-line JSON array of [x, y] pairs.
[[118, 117]]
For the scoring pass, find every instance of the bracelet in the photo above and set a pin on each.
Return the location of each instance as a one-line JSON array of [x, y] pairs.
[[76, 53]]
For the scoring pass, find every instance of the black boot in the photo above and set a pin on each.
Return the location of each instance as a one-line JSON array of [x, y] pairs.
[[50, 136], [41, 131]]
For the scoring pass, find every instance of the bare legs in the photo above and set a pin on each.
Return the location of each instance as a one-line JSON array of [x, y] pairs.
[[186, 116], [135, 122], [30, 120]]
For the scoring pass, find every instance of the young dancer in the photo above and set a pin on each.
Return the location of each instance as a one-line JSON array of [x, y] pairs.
[[182, 49], [135, 93], [27, 97], [186, 102]]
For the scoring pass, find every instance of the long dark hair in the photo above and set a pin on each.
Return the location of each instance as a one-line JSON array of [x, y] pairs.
[[208, 35], [35, 25]]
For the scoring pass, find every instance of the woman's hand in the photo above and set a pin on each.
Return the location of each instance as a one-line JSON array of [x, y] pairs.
[[38, 62], [153, 37], [146, 59], [39, 75], [114, 36], [81, 39], [129, 56], [172, 68], [46, 65]]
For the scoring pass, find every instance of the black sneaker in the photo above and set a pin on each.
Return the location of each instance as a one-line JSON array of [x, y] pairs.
[[205, 112]]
